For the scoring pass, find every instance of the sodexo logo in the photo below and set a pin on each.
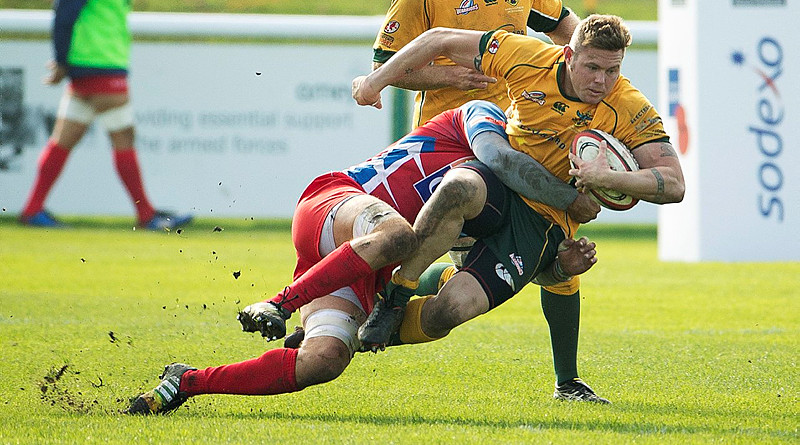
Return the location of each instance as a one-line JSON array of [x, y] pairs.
[[766, 131]]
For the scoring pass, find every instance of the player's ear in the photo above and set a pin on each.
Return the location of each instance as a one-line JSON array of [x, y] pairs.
[[568, 53]]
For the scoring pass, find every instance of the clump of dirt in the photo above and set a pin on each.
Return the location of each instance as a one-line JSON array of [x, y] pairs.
[[55, 391]]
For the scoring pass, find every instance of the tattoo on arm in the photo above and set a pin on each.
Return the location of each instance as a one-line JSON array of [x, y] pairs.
[[659, 184], [667, 151], [409, 71]]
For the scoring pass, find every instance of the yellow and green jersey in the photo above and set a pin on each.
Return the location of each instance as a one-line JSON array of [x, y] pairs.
[[406, 19], [543, 120]]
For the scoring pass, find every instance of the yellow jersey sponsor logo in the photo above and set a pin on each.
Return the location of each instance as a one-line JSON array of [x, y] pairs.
[[582, 119], [466, 7], [534, 96], [560, 107]]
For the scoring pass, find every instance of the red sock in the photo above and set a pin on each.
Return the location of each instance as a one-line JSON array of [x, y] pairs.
[[272, 373], [128, 168], [340, 268], [51, 162]]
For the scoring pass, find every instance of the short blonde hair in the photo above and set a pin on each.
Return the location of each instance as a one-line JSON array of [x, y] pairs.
[[606, 32]]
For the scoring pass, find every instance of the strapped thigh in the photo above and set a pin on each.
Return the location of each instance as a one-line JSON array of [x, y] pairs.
[[73, 108], [372, 215], [118, 118], [334, 323]]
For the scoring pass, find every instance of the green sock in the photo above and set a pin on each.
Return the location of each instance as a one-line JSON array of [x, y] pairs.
[[429, 280], [563, 314]]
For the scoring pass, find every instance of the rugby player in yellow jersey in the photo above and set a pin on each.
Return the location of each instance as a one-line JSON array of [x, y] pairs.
[[555, 93], [444, 85]]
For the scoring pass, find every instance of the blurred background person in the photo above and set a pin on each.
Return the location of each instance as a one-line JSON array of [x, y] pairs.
[[91, 42]]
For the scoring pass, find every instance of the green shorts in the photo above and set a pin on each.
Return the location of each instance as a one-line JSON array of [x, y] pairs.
[[515, 245]]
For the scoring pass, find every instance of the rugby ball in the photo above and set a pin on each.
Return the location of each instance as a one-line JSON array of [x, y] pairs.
[[586, 145]]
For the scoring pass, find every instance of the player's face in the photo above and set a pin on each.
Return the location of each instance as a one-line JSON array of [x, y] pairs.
[[591, 72]]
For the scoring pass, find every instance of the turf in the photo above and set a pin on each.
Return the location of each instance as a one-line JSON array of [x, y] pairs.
[[688, 353]]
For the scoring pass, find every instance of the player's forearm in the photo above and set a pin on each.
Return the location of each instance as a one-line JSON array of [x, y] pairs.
[[522, 173], [659, 185], [429, 77], [416, 56]]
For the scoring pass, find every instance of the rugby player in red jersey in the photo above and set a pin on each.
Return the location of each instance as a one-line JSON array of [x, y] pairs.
[[351, 228]]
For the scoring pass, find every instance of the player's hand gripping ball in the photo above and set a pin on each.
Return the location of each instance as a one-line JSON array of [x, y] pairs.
[[586, 146]]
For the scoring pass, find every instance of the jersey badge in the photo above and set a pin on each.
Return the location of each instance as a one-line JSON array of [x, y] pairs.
[[490, 2], [428, 184], [534, 96], [493, 46], [581, 119], [560, 107], [516, 260], [501, 272], [391, 27], [466, 7]]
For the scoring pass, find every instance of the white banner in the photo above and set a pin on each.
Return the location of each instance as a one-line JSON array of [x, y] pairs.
[[727, 86], [222, 130]]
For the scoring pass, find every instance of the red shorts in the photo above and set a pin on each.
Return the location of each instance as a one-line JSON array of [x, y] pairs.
[[86, 86], [315, 204]]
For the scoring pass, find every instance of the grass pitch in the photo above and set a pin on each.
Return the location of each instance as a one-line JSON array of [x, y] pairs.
[[688, 353]]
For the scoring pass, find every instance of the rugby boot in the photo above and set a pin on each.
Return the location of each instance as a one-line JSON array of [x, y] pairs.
[[167, 221], [42, 218], [166, 396], [387, 315], [295, 339], [265, 317], [577, 390]]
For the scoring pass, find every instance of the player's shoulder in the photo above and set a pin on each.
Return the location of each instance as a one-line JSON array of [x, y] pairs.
[[637, 120], [493, 41], [482, 114], [481, 106], [625, 96], [551, 9]]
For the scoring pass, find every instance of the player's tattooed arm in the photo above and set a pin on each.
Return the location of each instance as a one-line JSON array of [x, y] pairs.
[[520, 172], [667, 151], [660, 179], [529, 178], [659, 185]]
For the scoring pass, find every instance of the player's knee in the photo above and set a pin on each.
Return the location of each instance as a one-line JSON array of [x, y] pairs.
[[324, 361], [330, 341], [441, 321], [456, 303], [459, 189], [401, 241]]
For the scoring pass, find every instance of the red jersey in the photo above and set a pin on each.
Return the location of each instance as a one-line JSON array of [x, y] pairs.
[[408, 171]]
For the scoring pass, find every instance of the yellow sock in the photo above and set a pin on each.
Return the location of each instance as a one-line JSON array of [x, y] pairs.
[[405, 282], [411, 328], [446, 275]]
